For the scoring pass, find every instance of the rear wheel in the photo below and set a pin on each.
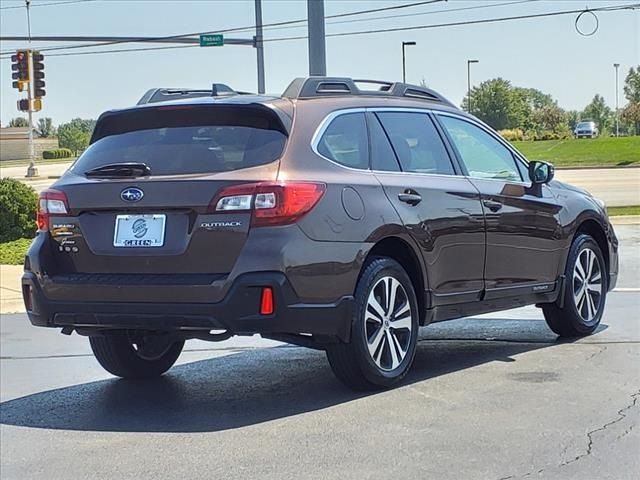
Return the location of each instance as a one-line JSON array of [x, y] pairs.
[[134, 355], [384, 329], [585, 291]]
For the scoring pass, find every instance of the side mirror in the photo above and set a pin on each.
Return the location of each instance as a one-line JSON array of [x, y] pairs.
[[540, 172]]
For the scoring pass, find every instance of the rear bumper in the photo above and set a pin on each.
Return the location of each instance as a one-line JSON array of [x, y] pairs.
[[238, 312]]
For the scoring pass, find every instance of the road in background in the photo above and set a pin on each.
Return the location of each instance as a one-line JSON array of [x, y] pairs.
[[491, 397], [617, 186]]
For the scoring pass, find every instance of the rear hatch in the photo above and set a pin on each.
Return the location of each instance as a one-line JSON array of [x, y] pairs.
[[142, 198]]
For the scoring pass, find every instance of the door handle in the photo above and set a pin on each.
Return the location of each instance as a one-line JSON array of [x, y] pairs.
[[410, 197], [491, 205]]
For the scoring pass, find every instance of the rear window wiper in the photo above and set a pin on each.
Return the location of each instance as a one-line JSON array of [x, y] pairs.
[[117, 170]]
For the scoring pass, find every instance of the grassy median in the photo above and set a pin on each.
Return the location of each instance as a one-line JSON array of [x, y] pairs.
[[596, 152]]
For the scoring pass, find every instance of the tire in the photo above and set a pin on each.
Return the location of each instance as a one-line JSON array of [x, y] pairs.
[[117, 355], [386, 365], [583, 306]]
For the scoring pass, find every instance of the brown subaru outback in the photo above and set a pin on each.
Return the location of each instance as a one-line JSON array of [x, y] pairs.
[[342, 215]]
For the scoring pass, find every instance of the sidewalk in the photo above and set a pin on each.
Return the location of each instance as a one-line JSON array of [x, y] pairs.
[[45, 170], [10, 289]]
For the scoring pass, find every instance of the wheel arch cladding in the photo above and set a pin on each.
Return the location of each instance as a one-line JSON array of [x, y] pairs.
[[594, 230], [400, 251]]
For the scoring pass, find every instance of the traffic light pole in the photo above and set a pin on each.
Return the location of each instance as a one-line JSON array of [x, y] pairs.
[[32, 170]]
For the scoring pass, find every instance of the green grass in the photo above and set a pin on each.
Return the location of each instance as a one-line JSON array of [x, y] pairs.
[[603, 151], [12, 253], [617, 211]]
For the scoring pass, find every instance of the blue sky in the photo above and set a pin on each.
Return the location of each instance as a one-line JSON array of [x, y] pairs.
[[544, 53]]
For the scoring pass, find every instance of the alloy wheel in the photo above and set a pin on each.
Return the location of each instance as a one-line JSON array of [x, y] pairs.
[[388, 323], [587, 284]]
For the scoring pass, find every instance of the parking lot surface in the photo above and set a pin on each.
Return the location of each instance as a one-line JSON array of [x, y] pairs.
[[491, 397]]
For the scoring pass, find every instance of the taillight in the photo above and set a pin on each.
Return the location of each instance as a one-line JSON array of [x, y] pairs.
[[271, 203], [51, 202]]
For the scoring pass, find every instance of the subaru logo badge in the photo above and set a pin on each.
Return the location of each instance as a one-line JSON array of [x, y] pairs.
[[131, 194]]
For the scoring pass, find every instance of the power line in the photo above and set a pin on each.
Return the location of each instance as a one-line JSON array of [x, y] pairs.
[[46, 4], [466, 22], [610, 8], [236, 29]]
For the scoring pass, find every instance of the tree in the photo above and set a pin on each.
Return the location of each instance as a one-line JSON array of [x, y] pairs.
[[75, 135], [45, 127], [631, 113], [597, 111], [632, 85], [549, 118], [497, 103], [18, 122], [536, 99]]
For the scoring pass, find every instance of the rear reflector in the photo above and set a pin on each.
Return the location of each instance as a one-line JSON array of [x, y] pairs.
[[266, 303], [271, 203], [26, 295]]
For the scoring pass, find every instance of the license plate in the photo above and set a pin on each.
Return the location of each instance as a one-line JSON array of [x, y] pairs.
[[137, 231]]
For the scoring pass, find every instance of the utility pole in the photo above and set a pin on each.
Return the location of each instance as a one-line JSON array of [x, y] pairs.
[[616, 66], [315, 23], [469, 62], [32, 171], [404, 66], [259, 46]]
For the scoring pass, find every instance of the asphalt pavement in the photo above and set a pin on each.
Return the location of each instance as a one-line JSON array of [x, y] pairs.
[[490, 397]]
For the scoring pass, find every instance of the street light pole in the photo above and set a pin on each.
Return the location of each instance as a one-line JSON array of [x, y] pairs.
[[616, 66], [469, 62], [315, 26], [404, 65], [32, 170], [259, 46]]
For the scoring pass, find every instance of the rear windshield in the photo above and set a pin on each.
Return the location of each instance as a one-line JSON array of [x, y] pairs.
[[186, 141]]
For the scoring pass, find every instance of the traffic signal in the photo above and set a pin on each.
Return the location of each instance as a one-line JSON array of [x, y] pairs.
[[23, 105], [20, 69], [38, 75]]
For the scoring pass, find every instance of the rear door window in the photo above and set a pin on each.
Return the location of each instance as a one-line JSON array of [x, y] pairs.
[[170, 143], [345, 141], [416, 142]]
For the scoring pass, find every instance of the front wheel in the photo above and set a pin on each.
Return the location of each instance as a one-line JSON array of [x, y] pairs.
[[585, 291], [384, 329], [134, 355]]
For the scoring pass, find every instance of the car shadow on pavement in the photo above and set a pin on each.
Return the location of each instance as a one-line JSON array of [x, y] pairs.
[[258, 385]]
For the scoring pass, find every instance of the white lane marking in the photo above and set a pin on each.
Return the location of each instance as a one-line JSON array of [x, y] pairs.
[[627, 289]]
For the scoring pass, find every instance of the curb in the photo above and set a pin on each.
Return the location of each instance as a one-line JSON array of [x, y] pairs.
[[41, 177]]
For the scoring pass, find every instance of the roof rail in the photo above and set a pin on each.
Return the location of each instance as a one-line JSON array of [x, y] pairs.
[[313, 87]]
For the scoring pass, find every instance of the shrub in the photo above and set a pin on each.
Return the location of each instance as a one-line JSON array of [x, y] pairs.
[[512, 135], [17, 210], [56, 153]]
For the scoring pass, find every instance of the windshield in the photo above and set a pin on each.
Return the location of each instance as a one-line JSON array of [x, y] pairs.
[[584, 125]]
